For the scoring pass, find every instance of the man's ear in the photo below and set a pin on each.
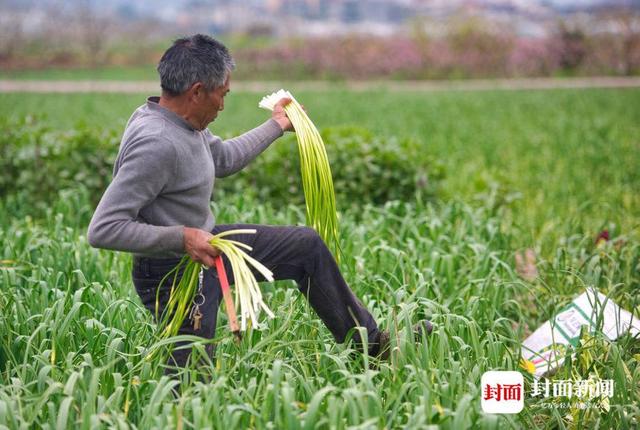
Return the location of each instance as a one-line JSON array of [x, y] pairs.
[[196, 91]]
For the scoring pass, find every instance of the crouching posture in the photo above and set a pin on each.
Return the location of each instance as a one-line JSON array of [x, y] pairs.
[[157, 205]]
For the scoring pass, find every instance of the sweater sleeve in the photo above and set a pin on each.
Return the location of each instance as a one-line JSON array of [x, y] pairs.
[[232, 155], [145, 168]]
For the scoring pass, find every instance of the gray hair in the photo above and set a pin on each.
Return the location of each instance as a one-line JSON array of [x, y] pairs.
[[198, 58]]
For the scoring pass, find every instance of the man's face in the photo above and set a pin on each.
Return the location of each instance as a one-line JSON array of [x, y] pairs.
[[209, 103], [216, 98]]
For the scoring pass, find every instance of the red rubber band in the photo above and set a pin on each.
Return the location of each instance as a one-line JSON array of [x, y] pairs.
[[222, 275]]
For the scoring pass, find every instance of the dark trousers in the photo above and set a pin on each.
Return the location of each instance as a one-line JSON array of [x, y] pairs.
[[296, 253]]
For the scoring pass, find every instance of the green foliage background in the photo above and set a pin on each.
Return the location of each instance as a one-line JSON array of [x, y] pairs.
[[452, 184]]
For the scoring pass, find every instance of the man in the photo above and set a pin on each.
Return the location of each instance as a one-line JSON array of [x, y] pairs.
[[157, 206]]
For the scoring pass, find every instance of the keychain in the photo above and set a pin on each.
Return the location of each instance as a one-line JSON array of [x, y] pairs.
[[198, 300]]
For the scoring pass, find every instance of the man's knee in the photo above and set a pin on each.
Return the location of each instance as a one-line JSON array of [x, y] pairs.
[[308, 239]]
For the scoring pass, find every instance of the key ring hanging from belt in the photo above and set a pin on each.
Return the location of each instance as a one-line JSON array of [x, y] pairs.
[[199, 298]]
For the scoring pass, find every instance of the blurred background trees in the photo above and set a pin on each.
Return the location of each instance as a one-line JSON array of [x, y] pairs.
[[322, 39]]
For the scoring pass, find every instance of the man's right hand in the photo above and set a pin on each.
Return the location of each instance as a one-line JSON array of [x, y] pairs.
[[196, 244]]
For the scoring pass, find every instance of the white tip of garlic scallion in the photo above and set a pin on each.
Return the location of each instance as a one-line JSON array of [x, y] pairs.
[[268, 102]]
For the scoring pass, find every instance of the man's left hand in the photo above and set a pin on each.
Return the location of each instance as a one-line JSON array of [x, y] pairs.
[[280, 116]]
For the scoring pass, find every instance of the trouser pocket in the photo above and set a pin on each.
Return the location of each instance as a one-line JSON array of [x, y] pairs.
[[153, 296]]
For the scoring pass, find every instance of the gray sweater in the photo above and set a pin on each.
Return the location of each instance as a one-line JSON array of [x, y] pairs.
[[163, 180]]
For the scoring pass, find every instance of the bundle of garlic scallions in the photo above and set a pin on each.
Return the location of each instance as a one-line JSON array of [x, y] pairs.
[[247, 291], [317, 182]]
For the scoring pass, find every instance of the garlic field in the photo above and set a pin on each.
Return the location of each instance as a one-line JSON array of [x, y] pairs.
[[437, 192]]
